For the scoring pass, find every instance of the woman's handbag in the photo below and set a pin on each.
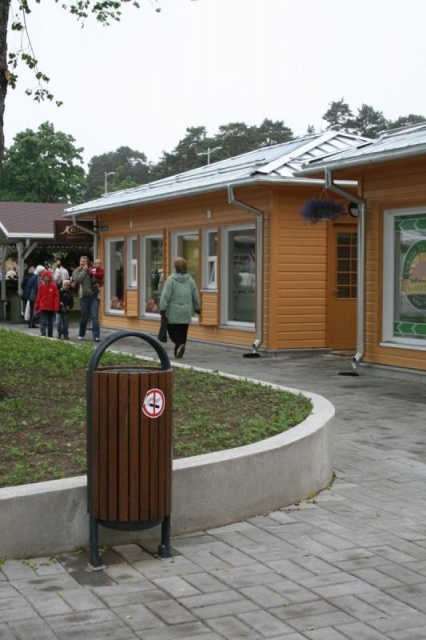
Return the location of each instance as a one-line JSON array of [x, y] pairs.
[[162, 333], [27, 312]]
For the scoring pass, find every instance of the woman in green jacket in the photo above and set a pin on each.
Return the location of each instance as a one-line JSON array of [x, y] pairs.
[[178, 297]]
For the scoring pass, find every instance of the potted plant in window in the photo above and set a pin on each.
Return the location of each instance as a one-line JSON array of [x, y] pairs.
[[321, 209]]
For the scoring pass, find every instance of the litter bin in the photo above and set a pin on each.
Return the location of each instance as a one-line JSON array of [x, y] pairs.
[[15, 308], [129, 445]]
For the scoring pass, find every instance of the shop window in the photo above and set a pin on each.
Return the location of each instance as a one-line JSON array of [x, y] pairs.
[[114, 288], [404, 277], [238, 275], [152, 274], [186, 245]]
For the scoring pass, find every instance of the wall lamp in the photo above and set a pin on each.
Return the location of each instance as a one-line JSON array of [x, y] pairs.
[[353, 209]]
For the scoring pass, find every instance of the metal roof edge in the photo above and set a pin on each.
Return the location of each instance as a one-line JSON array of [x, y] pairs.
[[368, 159], [251, 181], [43, 236], [157, 198]]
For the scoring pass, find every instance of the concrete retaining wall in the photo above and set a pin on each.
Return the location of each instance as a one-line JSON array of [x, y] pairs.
[[208, 491]]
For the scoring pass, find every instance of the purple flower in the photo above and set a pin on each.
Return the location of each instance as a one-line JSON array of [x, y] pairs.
[[321, 209]]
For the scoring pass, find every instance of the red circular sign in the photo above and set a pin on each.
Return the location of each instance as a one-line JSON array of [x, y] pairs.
[[154, 403]]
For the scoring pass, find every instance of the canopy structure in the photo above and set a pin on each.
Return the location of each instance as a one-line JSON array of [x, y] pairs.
[[26, 225]]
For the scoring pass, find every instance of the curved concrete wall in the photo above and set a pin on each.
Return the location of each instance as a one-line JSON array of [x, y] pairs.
[[208, 491]]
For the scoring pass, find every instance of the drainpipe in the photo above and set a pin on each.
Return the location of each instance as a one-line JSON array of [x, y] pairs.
[[361, 263], [259, 266]]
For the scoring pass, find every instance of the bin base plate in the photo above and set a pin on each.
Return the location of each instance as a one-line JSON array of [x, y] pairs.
[[130, 526], [99, 567]]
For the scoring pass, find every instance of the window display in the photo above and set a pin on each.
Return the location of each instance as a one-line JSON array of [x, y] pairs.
[[409, 269]]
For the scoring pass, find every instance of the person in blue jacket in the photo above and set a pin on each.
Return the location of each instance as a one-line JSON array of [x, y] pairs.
[[179, 298]]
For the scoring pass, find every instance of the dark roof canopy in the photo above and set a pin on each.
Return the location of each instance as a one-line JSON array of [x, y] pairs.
[[32, 220]]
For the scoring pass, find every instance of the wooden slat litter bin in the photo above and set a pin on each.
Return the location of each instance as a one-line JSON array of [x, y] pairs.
[[132, 453], [129, 445]]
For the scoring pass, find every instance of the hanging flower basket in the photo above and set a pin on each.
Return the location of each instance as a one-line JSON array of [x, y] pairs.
[[321, 209]]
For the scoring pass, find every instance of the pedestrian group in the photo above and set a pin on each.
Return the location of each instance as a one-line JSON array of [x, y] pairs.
[[48, 299]]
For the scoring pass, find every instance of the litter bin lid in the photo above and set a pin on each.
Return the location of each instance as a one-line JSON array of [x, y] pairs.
[[128, 369]]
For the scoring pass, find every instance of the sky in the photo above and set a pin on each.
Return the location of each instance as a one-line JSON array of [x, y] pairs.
[[143, 81]]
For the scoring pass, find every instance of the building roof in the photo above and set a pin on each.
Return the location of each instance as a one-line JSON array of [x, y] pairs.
[[276, 164], [391, 145], [32, 220]]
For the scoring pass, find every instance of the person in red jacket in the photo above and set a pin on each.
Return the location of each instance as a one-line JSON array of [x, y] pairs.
[[97, 273], [47, 302]]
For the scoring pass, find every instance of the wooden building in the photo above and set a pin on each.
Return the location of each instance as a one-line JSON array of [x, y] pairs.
[[267, 279], [391, 199]]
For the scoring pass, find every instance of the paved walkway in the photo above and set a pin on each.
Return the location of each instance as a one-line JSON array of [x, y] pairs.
[[349, 564]]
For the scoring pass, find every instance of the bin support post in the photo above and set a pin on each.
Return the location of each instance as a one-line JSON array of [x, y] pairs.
[[95, 559], [164, 547]]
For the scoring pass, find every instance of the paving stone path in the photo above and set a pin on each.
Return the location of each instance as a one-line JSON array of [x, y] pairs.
[[348, 564]]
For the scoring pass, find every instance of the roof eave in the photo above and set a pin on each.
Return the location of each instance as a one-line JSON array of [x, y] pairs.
[[248, 182], [368, 159], [31, 236]]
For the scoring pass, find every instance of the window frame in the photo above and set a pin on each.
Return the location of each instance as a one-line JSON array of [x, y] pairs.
[[209, 262], [224, 271], [107, 288], [144, 271], [174, 254], [174, 243], [132, 262], [389, 279]]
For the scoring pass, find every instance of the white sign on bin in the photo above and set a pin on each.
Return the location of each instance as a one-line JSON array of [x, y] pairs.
[[154, 403]]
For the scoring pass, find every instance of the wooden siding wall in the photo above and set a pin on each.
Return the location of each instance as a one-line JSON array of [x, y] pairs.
[[297, 301], [209, 308], [391, 186], [131, 303]]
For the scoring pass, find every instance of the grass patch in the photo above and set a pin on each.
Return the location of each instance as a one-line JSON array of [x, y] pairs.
[[43, 409]]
